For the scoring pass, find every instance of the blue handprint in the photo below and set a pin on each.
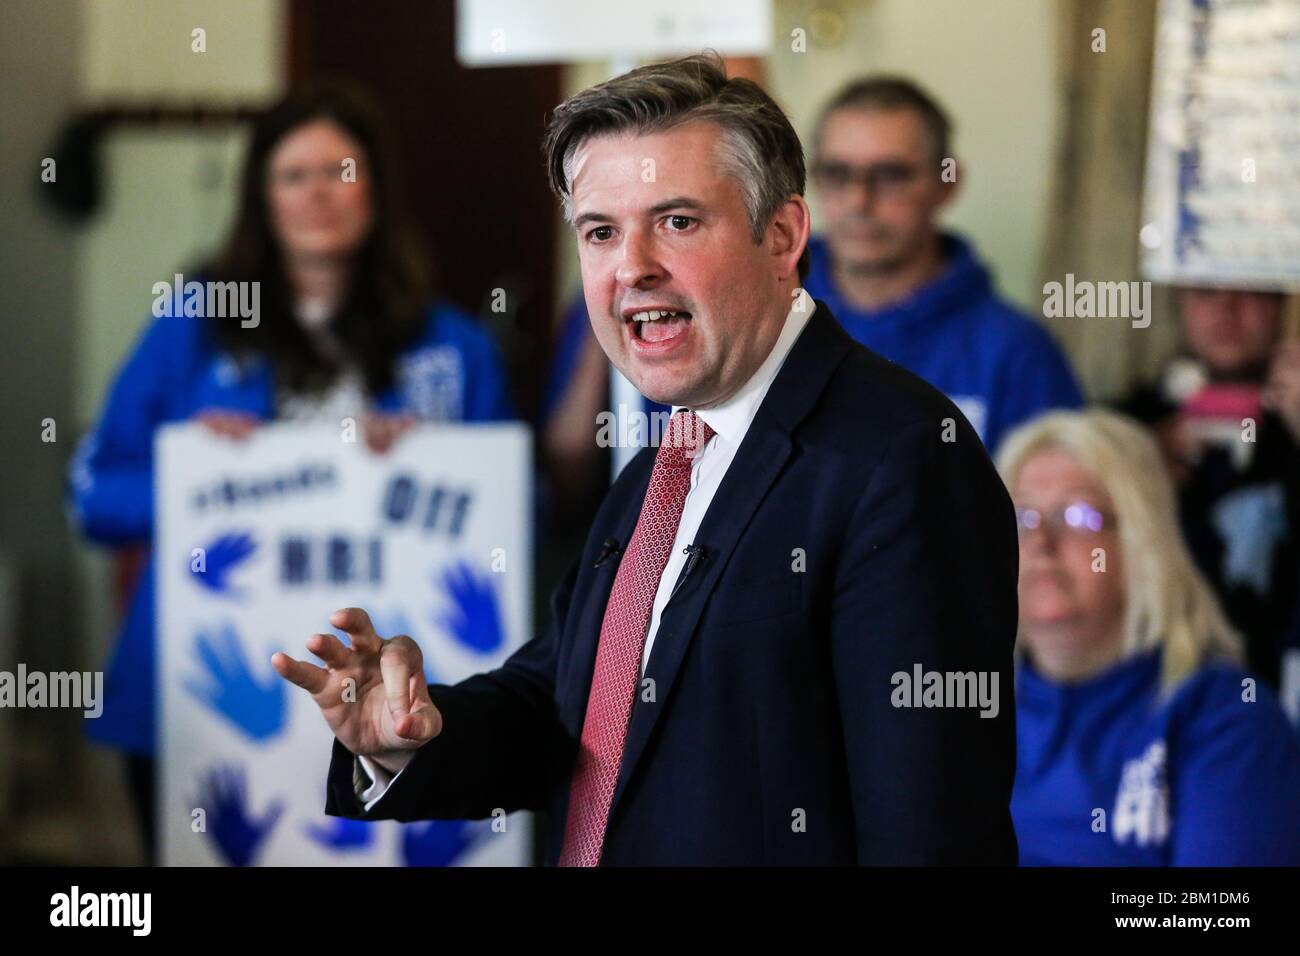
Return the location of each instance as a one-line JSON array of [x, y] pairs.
[[237, 835], [222, 556], [340, 833], [474, 619], [232, 690], [439, 842]]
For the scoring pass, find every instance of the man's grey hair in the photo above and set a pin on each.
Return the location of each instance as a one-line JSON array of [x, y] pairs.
[[887, 93], [759, 147]]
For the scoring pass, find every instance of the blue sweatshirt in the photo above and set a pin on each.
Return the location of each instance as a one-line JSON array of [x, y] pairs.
[[452, 371], [998, 365], [1108, 774]]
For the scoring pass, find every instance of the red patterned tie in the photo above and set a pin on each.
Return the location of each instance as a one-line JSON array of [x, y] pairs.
[[622, 640]]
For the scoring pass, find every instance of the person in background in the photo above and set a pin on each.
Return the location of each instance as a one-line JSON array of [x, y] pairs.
[[883, 171], [348, 327], [1227, 416], [1140, 741]]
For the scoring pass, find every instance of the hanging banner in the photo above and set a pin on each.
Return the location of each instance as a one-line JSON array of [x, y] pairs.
[[1222, 196]]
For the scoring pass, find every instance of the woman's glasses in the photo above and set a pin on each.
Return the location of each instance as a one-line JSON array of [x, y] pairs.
[[1077, 517]]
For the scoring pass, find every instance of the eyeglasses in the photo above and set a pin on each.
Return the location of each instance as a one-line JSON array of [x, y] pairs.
[[883, 178], [1077, 517]]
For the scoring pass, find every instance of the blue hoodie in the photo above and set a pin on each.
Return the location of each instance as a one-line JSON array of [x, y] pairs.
[[998, 365], [452, 371], [1110, 774]]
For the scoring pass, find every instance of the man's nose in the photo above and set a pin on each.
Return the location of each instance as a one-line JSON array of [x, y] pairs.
[[860, 193], [639, 265]]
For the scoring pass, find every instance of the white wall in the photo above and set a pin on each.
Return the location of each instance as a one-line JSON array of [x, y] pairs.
[[73, 297], [170, 192], [38, 271], [989, 63]]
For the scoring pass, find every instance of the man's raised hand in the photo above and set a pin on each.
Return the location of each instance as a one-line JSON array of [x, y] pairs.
[[373, 694]]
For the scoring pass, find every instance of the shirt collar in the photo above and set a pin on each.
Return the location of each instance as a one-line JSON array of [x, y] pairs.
[[731, 419]]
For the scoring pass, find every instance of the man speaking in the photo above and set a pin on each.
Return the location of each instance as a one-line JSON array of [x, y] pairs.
[[770, 648]]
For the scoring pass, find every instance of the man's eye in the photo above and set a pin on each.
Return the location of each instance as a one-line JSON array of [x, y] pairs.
[[836, 175], [894, 174], [599, 234], [680, 223]]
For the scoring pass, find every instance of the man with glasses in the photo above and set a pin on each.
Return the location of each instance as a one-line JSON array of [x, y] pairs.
[[883, 171]]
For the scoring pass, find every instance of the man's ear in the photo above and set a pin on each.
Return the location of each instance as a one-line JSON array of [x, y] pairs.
[[788, 231]]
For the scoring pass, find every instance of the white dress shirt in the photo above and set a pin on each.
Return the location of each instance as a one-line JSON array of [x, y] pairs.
[[730, 421]]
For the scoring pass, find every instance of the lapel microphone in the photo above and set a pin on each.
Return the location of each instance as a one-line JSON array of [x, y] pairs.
[[610, 549], [695, 553]]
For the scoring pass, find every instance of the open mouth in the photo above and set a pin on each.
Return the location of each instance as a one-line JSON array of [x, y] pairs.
[[658, 325]]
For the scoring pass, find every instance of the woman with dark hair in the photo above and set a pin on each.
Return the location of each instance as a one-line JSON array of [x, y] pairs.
[[343, 327]]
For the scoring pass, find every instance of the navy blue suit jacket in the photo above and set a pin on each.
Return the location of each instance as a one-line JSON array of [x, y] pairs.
[[860, 531]]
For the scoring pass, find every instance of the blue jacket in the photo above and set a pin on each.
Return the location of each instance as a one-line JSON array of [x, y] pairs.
[[771, 736], [176, 370], [998, 365], [1201, 778]]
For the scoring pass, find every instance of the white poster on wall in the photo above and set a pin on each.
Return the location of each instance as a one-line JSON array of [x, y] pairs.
[[257, 543], [1222, 194]]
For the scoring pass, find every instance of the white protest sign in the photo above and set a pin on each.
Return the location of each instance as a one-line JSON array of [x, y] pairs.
[[257, 543]]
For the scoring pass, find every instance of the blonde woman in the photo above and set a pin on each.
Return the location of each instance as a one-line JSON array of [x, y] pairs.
[[1140, 740]]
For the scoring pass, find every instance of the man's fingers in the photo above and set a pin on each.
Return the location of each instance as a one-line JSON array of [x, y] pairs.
[[329, 649], [422, 723], [309, 677], [399, 659], [356, 623]]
